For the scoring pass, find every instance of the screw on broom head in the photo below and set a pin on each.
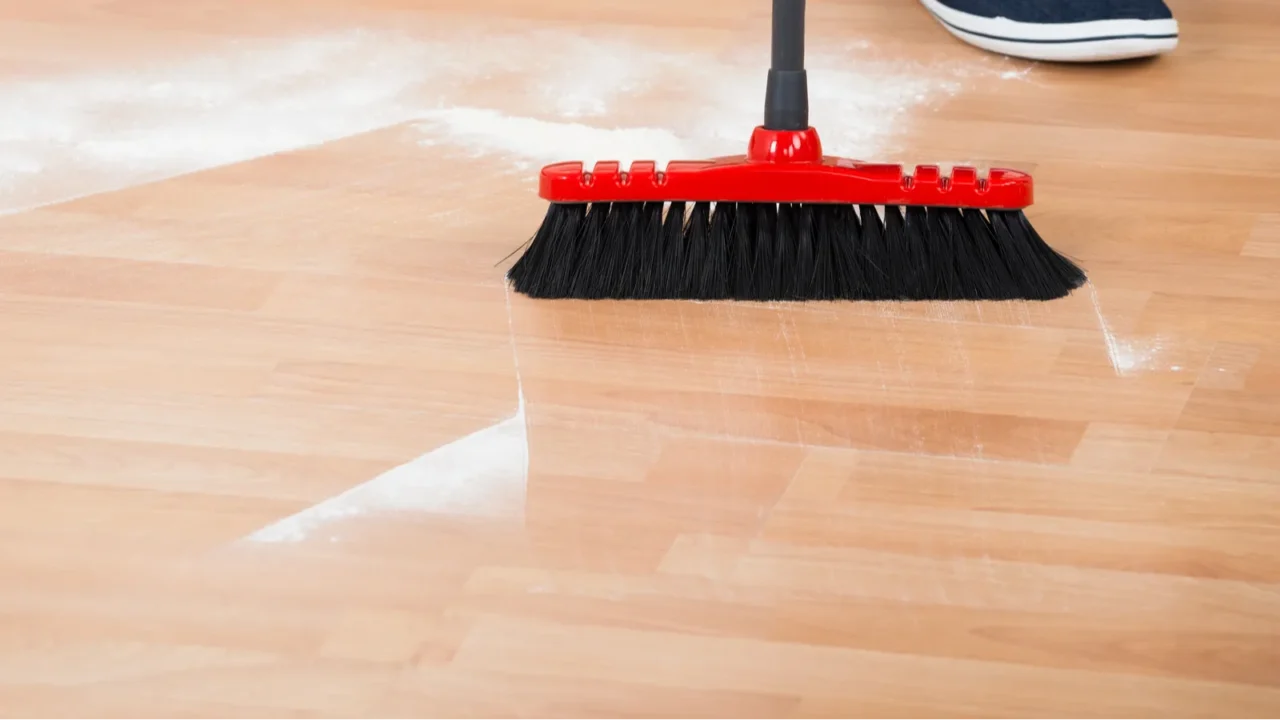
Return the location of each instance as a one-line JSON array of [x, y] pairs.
[[785, 222]]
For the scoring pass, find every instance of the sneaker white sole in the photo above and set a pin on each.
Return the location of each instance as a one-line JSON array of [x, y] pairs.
[[1095, 41]]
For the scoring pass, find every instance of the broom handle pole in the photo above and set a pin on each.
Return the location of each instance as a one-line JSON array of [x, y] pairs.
[[786, 104], [788, 34]]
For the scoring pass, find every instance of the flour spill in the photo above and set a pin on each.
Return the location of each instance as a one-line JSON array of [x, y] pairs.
[[476, 92], [482, 475], [483, 132], [1130, 356], [599, 105], [66, 136]]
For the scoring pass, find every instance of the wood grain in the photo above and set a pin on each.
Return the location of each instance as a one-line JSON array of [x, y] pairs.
[[276, 441]]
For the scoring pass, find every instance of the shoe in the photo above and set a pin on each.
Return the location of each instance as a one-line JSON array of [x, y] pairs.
[[1061, 30]]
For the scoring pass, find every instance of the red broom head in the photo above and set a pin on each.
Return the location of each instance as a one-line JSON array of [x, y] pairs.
[[786, 166]]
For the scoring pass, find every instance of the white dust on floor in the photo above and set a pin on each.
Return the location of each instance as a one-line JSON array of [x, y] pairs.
[[68, 136], [482, 475], [591, 101], [484, 132], [1130, 356]]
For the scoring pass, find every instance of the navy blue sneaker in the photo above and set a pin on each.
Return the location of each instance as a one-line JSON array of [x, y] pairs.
[[1061, 30]]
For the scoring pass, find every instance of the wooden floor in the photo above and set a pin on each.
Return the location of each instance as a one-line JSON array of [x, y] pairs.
[[275, 440]]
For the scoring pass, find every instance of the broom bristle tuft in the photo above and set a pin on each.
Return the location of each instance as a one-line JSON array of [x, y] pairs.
[[789, 251]]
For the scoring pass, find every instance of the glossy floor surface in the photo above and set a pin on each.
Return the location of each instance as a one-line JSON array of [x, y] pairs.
[[275, 440]]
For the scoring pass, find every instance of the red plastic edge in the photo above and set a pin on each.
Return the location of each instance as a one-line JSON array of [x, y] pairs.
[[787, 167]]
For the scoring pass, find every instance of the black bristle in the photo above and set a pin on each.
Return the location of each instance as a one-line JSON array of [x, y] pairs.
[[763, 277], [972, 280], [805, 254], [625, 256], [902, 260], [697, 237], [856, 276], [1038, 269], [535, 256], [875, 258], [996, 283], [949, 259], [559, 281], [549, 261], [713, 282], [742, 258], [924, 275], [668, 276], [1023, 264], [648, 251], [1069, 275], [769, 251], [581, 282], [619, 251], [832, 250], [784, 252]]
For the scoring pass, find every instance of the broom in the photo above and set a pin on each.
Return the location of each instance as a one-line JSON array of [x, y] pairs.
[[784, 222]]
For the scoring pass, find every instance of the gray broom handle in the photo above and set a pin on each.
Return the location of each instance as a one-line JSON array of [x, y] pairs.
[[786, 105]]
